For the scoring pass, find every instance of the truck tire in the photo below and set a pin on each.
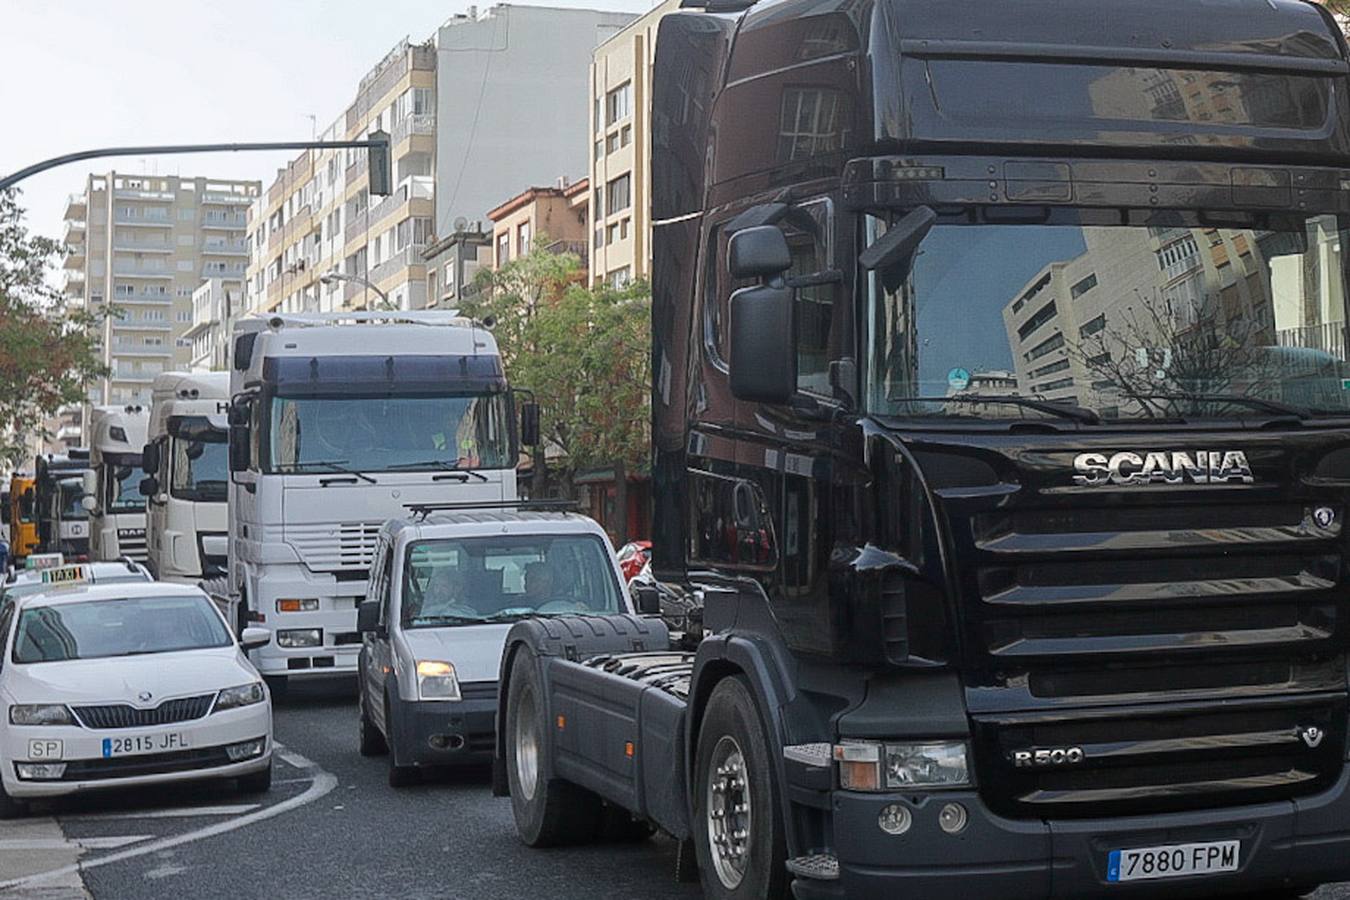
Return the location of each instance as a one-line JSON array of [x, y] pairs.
[[738, 820], [548, 812]]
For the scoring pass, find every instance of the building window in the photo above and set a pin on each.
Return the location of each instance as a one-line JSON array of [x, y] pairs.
[[619, 194], [503, 247], [450, 279], [1083, 286], [598, 204], [611, 234], [599, 150], [618, 103], [1093, 326], [612, 143], [626, 135], [522, 238], [623, 229], [599, 121], [599, 237], [1041, 316], [619, 278]]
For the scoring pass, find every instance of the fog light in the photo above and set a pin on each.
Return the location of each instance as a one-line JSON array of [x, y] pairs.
[[245, 750], [300, 637], [895, 819], [953, 818], [40, 771]]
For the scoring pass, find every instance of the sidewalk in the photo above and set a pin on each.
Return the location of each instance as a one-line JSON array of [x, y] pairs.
[[28, 846]]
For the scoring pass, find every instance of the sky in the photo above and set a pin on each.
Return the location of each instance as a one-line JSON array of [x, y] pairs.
[[82, 74]]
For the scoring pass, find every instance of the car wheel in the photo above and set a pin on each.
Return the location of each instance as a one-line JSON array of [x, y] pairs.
[[370, 741], [256, 782], [548, 811], [9, 807], [738, 820]]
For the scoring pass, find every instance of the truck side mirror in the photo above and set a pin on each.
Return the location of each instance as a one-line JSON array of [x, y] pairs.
[[647, 599], [239, 448], [89, 481], [368, 617], [150, 460], [758, 252], [89, 502], [764, 344], [529, 424], [149, 486]]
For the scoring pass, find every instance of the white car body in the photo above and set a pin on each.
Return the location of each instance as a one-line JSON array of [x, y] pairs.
[[120, 757]]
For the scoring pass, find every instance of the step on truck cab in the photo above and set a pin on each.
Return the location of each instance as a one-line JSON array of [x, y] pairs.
[[186, 473], [340, 422], [112, 493], [1000, 419]]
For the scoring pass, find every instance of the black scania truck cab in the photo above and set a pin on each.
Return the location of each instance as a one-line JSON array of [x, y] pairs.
[[1001, 419]]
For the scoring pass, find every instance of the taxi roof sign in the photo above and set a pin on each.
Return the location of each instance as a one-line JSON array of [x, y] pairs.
[[59, 575], [44, 560]]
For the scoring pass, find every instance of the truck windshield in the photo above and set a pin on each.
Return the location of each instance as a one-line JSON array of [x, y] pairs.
[[124, 495], [376, 434], [97, 629], [469, 581], [1132, 322], [201, 467], [71, 493]]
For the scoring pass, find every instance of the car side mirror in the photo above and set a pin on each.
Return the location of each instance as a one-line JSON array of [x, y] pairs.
[[368, 618], [758, 252], [253, 637], [647, 599], [764, 344], [149, 486], [529, 424], [150, 459]]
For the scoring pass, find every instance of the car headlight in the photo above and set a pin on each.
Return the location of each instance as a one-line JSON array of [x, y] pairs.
[[40, 714], [874, 766], [243, 695], [436, 680]]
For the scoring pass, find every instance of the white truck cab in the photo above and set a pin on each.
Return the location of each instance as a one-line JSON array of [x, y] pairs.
[[340, 422], [112, 486], [186, 476]]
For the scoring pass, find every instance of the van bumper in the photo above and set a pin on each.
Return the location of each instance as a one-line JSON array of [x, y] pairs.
[[443, 732]]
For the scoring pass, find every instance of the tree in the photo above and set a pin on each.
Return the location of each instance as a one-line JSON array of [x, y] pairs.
[[48, 354], [586, 355], [1340, 9]]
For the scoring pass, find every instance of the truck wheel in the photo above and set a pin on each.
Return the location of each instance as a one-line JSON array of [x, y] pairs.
[[9, 807], [738, 825], [550, 811], [370, 741], [278, 685]]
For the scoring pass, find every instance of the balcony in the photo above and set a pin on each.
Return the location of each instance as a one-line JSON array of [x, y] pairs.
[[73, 282], [232, 223], [142, 194], [230, 273], [138, 221], [74, 233], [143, 247], [142, 297], [74, 257], [126, 271], [414, 187], [120, 350], [77, 207], [229, 197], [416, 123], [408, 256], [218, 247], [124, 326], [133, 377]]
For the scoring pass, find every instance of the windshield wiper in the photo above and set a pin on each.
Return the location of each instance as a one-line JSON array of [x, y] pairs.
[[438, 464], [452, 620], [1063, 410], [332, 465], [1275, 406]]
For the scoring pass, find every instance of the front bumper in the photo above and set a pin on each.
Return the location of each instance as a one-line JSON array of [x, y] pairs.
[[336, 618], [82, 749], [1296, 842], [443, 732]]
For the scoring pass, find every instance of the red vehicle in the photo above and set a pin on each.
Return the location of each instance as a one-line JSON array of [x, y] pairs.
[[633, 556]]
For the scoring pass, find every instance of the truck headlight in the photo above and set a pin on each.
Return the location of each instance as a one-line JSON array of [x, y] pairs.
[[243, 695], [300, 637], [40, 714], [436, 680], [874, 766]]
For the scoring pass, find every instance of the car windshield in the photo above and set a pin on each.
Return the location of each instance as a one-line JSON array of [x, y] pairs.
[[201, 467], [128, 626], [376, 434], [471, 580], [1131, 322], [124, 490]]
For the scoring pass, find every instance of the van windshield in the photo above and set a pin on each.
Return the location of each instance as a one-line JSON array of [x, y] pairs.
[[1132, 322], [468, 581]]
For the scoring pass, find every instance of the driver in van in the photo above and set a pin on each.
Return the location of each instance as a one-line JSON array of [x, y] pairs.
[[538, 583]]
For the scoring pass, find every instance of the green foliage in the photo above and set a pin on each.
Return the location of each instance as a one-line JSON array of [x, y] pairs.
[[47, 354], [586, 354]]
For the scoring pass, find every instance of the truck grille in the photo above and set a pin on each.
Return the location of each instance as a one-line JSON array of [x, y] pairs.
[[131, 542], [336, 547], [121, 715], [1114, 621]]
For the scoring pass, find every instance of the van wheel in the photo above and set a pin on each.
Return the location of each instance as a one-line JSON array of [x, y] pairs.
[[256, 782], [370, 741], [9, 807], [548, 811], [399, 776], [738, 819]]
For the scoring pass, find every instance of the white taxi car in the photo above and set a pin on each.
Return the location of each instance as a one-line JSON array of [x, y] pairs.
[[124, 685]]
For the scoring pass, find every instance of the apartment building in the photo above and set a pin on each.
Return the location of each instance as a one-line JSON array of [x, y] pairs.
[[453, 263], [215, 304], [141, 244], [621, 150], [553, 217]]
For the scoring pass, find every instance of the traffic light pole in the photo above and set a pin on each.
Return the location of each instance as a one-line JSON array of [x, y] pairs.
[[381, 176]]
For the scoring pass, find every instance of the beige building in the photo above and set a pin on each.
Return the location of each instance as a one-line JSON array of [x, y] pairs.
[[555, 217], [621, 150], [318, 217], [142, 244]]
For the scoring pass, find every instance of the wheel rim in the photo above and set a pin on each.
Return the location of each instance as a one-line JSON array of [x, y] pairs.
[[727, 808], [527, 745]]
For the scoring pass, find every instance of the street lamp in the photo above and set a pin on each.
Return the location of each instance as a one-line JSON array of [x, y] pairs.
[[332, 277]]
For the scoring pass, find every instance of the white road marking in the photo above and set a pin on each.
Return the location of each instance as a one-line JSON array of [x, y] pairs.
[[176, 812], [323, 783], [111, 842], [295, 759]]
